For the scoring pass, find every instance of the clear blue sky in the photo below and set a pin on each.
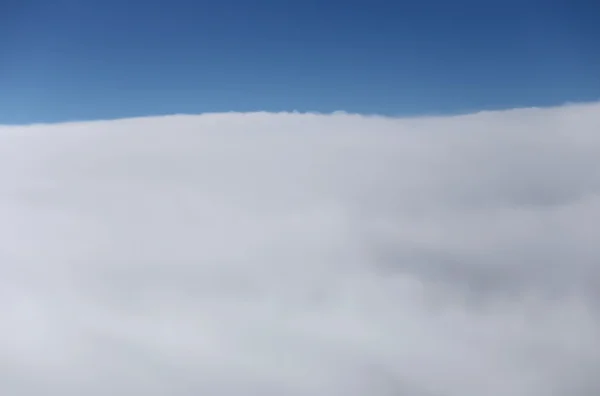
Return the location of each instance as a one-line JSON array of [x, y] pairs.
[[98, 59]]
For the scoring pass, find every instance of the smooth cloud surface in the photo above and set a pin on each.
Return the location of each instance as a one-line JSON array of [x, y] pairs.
[[302, 254]]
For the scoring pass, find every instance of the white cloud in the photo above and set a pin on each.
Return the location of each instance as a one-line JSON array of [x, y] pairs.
[[302, 254]]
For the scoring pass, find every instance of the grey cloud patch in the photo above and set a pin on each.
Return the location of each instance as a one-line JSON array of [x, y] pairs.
[[552, 251], [302, 254]]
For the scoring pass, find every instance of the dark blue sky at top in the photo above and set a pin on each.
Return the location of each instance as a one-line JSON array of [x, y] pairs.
[[98, 59]]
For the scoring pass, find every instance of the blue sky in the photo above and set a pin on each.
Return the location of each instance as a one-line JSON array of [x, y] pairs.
[[89, 59]]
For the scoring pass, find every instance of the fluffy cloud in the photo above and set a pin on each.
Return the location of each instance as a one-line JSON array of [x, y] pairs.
[[302, 254]]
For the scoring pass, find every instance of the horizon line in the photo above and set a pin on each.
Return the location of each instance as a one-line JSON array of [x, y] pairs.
[[307, 113]]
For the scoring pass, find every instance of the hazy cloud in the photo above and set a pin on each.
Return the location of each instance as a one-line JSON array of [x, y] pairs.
[[302, 254]]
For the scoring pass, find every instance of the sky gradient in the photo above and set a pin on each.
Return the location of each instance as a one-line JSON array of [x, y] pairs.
[[83, 60]]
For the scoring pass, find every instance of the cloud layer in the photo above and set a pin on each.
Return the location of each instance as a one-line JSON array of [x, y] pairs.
[[302, 254]]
